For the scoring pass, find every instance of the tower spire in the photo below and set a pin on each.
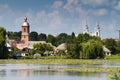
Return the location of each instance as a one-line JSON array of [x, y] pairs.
[[86, 30], [97, 24], [97, 32]]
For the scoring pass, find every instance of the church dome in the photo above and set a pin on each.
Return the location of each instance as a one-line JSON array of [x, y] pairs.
[[25, 23]]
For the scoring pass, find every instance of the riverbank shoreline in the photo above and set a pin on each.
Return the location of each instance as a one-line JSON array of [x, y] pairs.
[[58, 61], [68, 62], [103, 70]]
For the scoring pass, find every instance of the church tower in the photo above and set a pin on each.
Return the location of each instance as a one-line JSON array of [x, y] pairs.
[[86, 29], [25, 30], [97, 31]]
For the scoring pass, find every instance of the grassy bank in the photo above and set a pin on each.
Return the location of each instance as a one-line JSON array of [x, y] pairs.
[[117, 56], [65, 61], [55, 61], [108, 70]]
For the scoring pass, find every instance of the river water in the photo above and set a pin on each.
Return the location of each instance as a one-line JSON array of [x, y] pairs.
[[24, 72]]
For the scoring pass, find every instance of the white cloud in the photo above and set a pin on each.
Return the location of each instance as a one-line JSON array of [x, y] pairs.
[[80, 10], [52, 21], [118, 6], [99, 12], [41, 13], [95, 2], [55, 19], [57, 4], [70, 5], [5, 10], [112, 25]]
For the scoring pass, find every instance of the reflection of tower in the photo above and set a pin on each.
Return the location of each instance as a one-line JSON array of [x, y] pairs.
[[86, 30], [97, 31], [25, 30]]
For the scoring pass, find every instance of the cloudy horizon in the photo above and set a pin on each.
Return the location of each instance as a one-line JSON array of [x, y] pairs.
[[62, 16]]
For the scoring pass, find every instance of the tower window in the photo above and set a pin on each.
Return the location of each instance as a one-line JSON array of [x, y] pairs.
[[24, 29]]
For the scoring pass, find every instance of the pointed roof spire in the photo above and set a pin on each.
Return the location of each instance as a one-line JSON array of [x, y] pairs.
[[86, 30], [97, 24], [86, 25]]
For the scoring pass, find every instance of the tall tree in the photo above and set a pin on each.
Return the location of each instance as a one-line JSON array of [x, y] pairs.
[[3, 48], [80, 38], [34, 36], [14, 35], [73, 48], [51, 39], [42, 37], [110, 44], [61, 38], [118, 47], [91, 50]]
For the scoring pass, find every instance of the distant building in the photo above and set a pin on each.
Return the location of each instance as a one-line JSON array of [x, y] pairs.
[[25, 37], [25, 30], [96, 31]]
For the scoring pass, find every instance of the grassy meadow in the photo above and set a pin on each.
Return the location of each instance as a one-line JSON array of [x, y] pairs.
[[56, 61]]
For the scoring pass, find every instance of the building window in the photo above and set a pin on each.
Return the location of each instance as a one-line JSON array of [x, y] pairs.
[[24, 29]]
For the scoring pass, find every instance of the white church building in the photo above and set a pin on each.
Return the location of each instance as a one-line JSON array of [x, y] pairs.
[[96, 31]]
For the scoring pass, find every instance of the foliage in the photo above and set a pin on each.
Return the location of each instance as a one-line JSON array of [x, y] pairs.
[[13, 51], [86, 37], [41, 48], [91, 50], [34, 36], [51, 39], [3, 48], [61, 53], [110, 44], [118, 47], [76, 45], [14, 35], [61, 38], [115, 76], [73, 48], [42, 37]]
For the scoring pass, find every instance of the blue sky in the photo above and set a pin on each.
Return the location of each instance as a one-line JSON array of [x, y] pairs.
[[62, 16]]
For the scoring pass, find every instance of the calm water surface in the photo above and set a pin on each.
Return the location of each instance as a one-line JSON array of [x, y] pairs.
[[22, 72]]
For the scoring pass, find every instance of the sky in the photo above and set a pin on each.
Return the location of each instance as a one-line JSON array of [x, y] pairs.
[[62, 16]]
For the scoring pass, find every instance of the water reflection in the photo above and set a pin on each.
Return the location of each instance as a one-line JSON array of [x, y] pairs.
[[25, 72], [2, 73], [46, 66]]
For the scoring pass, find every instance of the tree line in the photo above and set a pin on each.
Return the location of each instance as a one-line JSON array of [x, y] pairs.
[[82, 46]]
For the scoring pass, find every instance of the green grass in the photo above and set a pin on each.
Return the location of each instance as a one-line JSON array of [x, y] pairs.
[[117, 56], [55, 61], [106, 70]]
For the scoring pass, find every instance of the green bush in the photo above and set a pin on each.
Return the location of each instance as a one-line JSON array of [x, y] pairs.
[[27, 57], [91, 50], [115, 76]]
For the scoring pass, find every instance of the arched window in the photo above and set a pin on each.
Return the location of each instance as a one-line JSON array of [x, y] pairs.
[[24, 29]]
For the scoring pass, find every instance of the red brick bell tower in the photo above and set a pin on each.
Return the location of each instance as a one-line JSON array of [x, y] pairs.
[[25, 30]]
